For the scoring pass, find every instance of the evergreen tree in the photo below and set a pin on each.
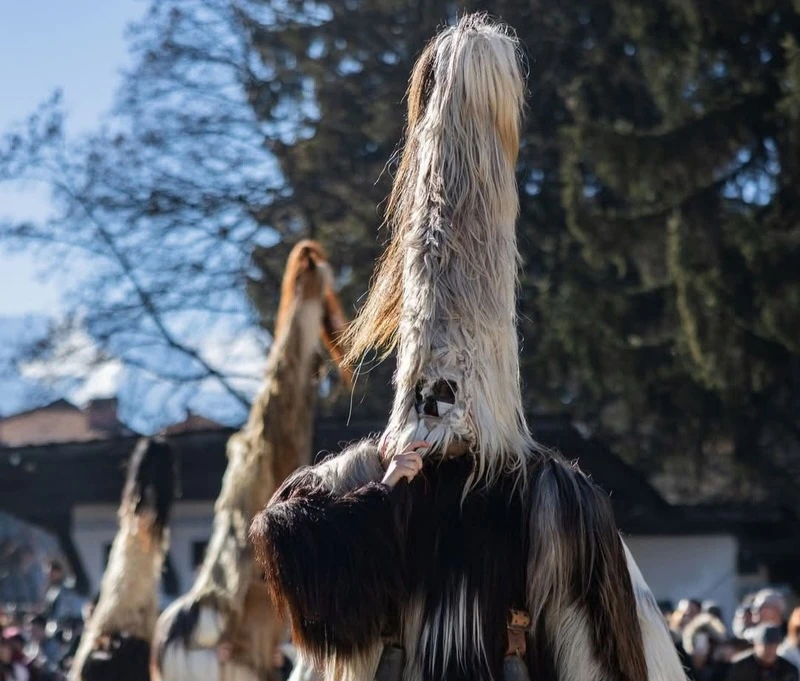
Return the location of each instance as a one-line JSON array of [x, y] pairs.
[[682, 316]]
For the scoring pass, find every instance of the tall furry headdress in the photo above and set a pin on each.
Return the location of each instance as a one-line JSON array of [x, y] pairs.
[[150, 483], [444, 294], [308, 275]]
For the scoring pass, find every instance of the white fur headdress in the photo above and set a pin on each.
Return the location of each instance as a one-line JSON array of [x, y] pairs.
[[444, 294]]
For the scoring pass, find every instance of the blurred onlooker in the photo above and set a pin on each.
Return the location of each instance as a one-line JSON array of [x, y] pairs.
[[77, 631], [41, 647], [666, 608], [60, 600], [673, 619], [10, 669], [17, 641], [691, 606], [764, 663], [42, 651], [687, 610], [769, 607], [743, 617], [705, 641], [712, 608], [790, 648]]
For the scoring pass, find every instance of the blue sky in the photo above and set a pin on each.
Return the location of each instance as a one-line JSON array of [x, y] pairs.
[[78, 46]]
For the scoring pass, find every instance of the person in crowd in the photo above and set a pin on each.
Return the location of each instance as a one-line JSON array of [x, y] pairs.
[[790, 648], [705, 641], [743, 617], [667, 609], [692, 607], [41, 647], [18, 643], [687, 610], [60, 600], [42, 651], [769, 607], [77, 631], [10, 669], [764, 663], [713, 608]]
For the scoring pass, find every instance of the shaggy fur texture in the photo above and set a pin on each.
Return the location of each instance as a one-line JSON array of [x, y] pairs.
[[444, 293], [228, 601], [579, 591], [663, 663], [117, 637], [704, 623], [352, 562], [493, 522]]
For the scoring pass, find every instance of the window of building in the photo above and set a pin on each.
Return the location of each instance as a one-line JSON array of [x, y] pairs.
[[198, 553]]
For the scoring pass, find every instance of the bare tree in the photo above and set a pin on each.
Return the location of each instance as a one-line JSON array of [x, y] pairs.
[[156, 211]]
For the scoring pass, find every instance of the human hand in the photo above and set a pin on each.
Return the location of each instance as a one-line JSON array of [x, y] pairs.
[[224, 652], [406, 464]]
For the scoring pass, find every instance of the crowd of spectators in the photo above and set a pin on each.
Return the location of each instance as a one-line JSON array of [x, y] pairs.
[[38, 644], [762, 644]]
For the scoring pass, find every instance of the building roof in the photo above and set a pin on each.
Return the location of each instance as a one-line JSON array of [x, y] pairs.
[[41, 483], [192, 424], [57, 405], [62, 421]]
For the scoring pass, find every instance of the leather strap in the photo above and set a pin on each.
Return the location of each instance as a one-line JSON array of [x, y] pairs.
[[519, 622]]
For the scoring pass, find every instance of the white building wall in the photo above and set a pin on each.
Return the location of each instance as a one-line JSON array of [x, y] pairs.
[[190, 523], [94, 527], [676, 567]]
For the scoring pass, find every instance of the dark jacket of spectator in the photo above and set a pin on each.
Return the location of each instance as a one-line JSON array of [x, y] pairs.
[[764, 663], [750, 668], [704, 640]]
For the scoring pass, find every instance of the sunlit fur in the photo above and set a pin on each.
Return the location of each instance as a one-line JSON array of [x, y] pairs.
[[128, 602], [663, 663], [444, 293], [444, 299], [228, 596], [704, 623]]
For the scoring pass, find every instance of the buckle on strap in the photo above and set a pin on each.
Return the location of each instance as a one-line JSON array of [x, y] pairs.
[[519, 623]]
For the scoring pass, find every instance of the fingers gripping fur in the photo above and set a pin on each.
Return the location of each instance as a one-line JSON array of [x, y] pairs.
[[663, 663], [580, 597]]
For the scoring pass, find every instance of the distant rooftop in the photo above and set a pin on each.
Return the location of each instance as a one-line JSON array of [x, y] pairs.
[[192, 424], [62, 421]]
